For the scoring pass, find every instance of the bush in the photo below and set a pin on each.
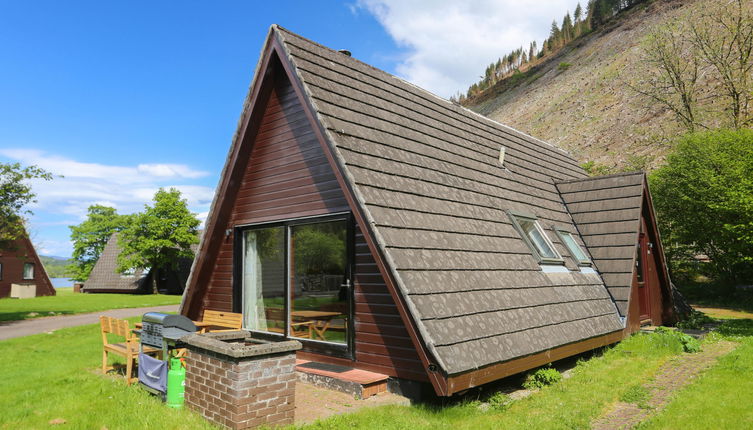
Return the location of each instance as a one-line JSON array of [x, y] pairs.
[[541, 378], [689, 343], [563, 66]]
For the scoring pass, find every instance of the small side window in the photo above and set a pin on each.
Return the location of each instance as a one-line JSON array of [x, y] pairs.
[[28, 270], [1, 271], [576, 251], [536, 239]]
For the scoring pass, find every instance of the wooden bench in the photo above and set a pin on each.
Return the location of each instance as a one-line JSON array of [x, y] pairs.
[[297, 328], [220, 321]]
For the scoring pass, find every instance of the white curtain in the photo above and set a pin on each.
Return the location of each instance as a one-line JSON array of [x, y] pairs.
[[253, 303]]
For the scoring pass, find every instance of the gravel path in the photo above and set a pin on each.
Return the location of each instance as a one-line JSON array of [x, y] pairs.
[[11, 329], [671, 377]]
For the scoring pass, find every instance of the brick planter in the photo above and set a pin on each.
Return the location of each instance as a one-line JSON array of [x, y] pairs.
[[240, 382]]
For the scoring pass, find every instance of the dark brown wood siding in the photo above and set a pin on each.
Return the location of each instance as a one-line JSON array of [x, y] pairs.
[[288, 176], [13, 260]]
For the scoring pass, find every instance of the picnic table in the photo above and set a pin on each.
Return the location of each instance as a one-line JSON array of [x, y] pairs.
[[323, 320]]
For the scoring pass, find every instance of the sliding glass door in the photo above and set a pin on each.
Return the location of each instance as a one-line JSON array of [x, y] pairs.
[[296, 280]]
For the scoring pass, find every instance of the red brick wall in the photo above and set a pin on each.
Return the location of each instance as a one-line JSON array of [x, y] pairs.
[[244, 393]]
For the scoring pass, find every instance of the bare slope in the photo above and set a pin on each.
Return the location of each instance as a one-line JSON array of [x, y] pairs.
[[587, 108]]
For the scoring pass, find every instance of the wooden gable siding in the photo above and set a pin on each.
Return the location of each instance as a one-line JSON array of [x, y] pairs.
[[288, 176], [13, 260]]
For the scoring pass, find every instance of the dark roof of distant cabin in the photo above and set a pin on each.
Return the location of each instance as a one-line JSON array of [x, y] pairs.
[[607, 212], [105, 276], [427, 177]]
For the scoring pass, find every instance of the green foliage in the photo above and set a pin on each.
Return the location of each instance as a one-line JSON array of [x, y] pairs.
[[15, 194], [90, 237], [56, 268], [695, 321], [160, 235], [689, 343], [637, 395], [704, 200], [563, 66], [715, 399], [499, 401], [541, 378]]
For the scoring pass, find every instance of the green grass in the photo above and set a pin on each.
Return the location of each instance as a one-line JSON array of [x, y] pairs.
[[50, 376], [720, 396], [67, 303], [570, 403]]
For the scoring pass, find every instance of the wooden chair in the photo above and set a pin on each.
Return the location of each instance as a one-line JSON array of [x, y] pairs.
[[128, 349], [301, 329], [226, 321]]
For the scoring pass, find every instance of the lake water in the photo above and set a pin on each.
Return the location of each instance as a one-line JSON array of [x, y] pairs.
[[61, 282]]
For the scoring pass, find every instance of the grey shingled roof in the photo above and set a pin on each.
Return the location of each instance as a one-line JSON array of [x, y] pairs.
[[427, 176], [104, 275], [607, 212]]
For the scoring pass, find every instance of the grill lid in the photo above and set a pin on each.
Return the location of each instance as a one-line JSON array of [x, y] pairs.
[[167, 321]]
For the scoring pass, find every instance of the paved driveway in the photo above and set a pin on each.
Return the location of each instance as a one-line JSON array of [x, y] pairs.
[[11, 329]]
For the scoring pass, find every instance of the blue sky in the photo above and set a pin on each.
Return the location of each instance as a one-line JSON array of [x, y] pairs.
[[124, 97]]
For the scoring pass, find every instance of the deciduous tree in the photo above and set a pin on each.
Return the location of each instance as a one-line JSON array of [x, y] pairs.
[[159, 236], [704, 198], [15, 194]]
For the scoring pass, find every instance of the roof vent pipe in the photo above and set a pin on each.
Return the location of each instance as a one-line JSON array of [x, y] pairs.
[[502, 156], [344, 51]]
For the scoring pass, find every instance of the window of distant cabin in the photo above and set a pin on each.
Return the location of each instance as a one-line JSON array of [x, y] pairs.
[[1, 271], [572, 246], [295, 280], [28, 270], [534, 236]]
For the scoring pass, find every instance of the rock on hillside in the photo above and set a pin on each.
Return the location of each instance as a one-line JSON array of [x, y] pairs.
[[580, 100]]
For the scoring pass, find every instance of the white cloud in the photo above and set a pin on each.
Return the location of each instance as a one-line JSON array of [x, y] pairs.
[[451, 42], [64, 200]]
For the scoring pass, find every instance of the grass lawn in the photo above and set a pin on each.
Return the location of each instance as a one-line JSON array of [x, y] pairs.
[[51, 376], [720, 398], [714, 401], [67, 303]]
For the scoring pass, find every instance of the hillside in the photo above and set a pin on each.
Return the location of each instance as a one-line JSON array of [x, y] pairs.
[[580, 100], [56, 267]]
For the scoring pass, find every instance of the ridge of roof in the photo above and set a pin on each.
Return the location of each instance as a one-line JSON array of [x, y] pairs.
[[448, 103], [593, 178]]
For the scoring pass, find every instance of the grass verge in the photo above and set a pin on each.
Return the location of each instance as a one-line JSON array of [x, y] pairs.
[[55, 376], [570, 403], [68, 303], [719, 398]]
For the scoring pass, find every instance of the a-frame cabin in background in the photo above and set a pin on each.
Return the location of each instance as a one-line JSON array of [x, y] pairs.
[[22, 274], [393, 231]]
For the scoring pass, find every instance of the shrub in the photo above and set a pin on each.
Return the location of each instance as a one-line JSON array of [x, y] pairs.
[[689, 343], [541, 378], [563, 66]]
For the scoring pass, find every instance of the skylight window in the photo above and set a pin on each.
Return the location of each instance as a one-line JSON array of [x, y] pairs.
[[536, 239], [575, 250]]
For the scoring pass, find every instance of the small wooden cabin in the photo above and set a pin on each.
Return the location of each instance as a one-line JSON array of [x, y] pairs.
[[391, 230], [105, 278], [22, 274]]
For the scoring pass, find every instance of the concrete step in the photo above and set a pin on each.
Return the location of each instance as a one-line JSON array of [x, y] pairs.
[[360, 383]]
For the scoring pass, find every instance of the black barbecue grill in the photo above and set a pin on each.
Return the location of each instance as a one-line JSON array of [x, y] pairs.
[[164, 330], [161, 331]]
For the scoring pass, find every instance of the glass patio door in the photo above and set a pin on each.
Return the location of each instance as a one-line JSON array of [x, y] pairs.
[[318, 281], [295, 280]]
